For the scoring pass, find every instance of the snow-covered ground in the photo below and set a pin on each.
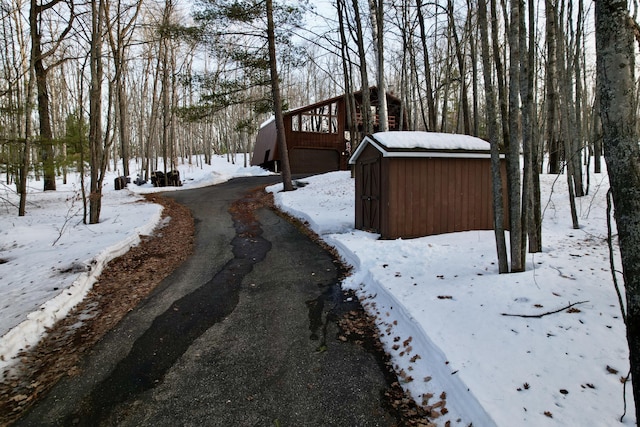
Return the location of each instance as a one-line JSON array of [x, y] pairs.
[[438, 300], [440, 304], [49, 259]]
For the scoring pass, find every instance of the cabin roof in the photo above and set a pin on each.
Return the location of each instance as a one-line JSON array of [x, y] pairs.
[[265, 147], [336, 98]]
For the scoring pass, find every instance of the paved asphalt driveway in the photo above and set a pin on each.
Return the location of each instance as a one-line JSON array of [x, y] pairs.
[[242, 334]]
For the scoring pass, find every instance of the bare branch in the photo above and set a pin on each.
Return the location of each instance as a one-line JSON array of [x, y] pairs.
[[541, 315], [64, 33]]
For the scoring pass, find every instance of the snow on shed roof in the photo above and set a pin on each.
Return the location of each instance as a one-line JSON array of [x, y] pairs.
[[424, 144], [430, 141]]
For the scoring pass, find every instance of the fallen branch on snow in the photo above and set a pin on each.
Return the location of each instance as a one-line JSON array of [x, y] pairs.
[[538, 316]]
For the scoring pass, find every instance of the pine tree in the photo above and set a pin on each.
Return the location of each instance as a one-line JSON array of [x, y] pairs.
[[249, 37]]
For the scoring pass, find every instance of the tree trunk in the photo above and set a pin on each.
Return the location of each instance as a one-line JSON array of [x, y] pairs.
[[532, 222], [553, 144], [44, 116], [118, 42], [616, 87], [494, 137], [166, 106], [377, 21], [502, 86], [365, 108], [41, 73], [526, 95], [535, 231], [431, 105], [277, 101], [513, 154], [464, 99], [95, 115], [26, 150], [152, 136], [346, 70], [578, 113], [597, 136], [567, 124], [123, 123], [474, 66], [572, 133]]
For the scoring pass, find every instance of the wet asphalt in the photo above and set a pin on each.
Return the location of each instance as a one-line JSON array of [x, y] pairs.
[[244, 333]]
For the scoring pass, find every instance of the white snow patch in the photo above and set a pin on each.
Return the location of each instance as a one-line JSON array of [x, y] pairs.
[[444, 292], [430, 140]]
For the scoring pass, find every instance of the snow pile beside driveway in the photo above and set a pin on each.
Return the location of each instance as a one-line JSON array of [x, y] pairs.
[[453, 324], [49, 259]]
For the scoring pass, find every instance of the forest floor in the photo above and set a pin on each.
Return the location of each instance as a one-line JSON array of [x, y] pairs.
[[111, 298]]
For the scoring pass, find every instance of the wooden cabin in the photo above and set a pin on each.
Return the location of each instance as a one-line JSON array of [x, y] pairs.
[[413, 184], [318, 136]]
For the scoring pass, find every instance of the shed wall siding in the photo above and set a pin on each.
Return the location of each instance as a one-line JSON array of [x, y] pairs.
[[435, 195]]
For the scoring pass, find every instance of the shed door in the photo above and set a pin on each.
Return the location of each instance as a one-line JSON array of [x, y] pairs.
[[370, 192]]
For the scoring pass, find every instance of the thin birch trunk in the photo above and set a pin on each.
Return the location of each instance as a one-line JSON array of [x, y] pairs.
[[494, 139]]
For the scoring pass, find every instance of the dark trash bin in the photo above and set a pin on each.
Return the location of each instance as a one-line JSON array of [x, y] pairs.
[[120, 182], [158, 179], [173, 178]]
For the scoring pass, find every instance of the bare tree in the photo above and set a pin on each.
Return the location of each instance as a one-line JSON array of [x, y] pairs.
[[531, 215], [26, 150], [341, 8], [430, 124], [472, 28], [566, 123], [551, 87], [376, 8], [466, 115], [365, 108], [38, 57], [494, 138], [578, 113], [165, 63], [513, 154], [500, 71], [98, 152], [16, 122], [616, 87], [119, 35]]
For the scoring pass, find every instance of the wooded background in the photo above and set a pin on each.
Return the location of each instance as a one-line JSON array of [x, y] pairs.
[[158, 75], [89, 86]]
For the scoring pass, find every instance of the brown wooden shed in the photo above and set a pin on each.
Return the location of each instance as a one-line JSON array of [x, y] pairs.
[[317, 134], [413, 184]]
